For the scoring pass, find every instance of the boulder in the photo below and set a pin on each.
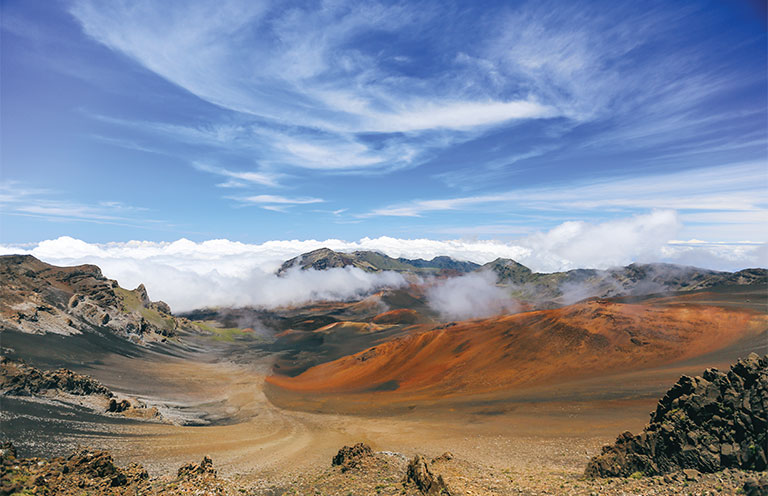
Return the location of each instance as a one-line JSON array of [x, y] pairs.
[[418, 473], [100, 465], [192, 470], [352, 457]]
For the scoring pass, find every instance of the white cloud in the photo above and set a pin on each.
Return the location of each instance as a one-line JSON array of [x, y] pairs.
[[276, 199], [731, 194], [263, 178], [304, 85], [311, 77], [471, 296], [15, 199], [189, 274], [604, 245]]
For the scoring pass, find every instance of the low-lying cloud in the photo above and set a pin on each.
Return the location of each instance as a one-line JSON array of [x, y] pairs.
[[190, 274], [471, 296]]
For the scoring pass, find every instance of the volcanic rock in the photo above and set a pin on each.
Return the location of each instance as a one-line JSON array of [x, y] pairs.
[[756, 487], [83, 472], [351, 457], [707, 423], [418, 473], [7, 450], [39, 298], [118, 406], [100, 465], [445, 457], [19, 379], [191, 470]]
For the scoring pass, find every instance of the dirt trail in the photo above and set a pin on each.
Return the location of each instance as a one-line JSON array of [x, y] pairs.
[[260, 440]]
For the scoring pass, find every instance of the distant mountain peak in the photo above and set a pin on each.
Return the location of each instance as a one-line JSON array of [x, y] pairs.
[[373, 261]]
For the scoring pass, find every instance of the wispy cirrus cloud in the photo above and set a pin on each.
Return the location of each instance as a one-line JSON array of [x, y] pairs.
[[338, 86], [275, 203], [259, 199], [239, 178], [17, 199], [730, 194], [319, 68]]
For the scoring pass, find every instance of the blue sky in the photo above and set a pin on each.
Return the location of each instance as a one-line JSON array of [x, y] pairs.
[[256, 121]]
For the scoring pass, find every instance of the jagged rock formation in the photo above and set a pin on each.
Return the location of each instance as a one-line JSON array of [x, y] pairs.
[[116, 406], [88, 471], [418, 473], [36, 297], [193, 470], [371, 261], [19, 379], [83, 472], [707, 423], [352, 457]]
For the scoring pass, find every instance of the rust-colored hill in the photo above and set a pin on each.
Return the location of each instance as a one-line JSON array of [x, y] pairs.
[[530, 349]]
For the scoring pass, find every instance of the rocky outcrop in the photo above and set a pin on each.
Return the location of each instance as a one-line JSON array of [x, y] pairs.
[[193, 470], [91, 472], [418, 473], [100, 465], [19, 379], [39, 298], [707, 423], [116, 406], [352, 457], [83, 472]]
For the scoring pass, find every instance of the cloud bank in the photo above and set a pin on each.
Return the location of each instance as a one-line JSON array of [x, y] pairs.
[[190, 274], [471, 296]]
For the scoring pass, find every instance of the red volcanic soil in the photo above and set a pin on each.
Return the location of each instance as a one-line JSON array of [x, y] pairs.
[[588, 339], [400, 316]]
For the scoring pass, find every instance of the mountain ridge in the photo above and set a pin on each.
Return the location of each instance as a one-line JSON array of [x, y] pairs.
[[40, 298], [372, 261]]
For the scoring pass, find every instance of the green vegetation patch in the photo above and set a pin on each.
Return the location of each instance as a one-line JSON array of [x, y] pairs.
[[228, 334], [132, 303]]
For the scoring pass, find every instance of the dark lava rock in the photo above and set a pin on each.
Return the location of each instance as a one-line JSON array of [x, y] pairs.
[[83, 472], [707, 423], [19, 379], [350, 457], [756, 487], [7, 450], [204, 468], [118, 406], [100, 465], [419, 474]]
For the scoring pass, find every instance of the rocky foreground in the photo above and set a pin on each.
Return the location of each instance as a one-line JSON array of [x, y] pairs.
[[355, 470], [718, 409], [707, 424]]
